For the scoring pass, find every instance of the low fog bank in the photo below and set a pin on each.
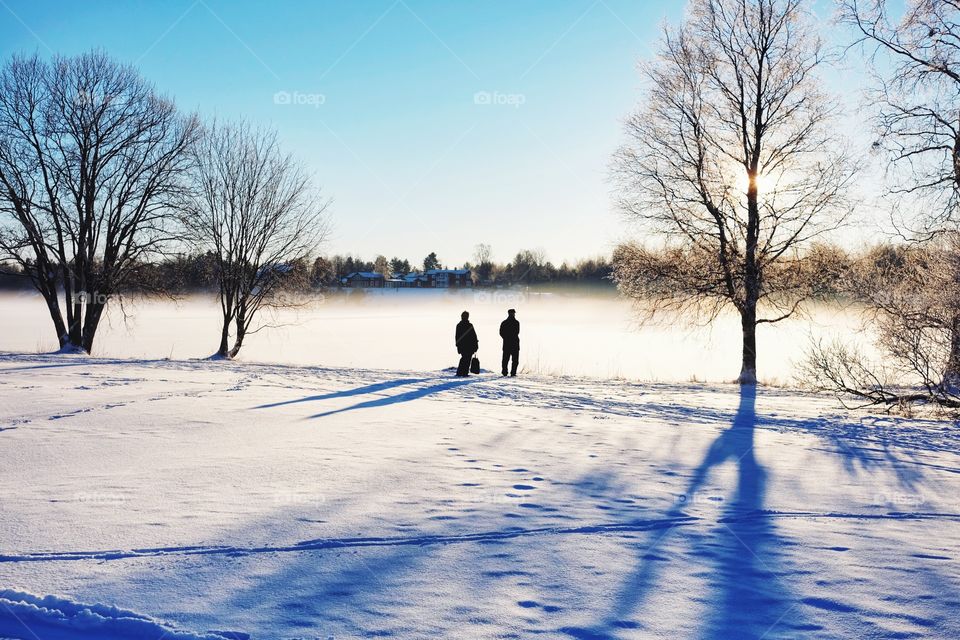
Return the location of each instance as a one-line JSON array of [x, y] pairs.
[[565, 331]]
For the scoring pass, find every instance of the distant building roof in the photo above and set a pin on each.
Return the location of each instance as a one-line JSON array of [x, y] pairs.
[[459, 272], [275, 268], [369, 275]]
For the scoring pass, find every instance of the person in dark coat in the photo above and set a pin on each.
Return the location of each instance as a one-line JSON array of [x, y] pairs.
[[467, 344], [510, 332]]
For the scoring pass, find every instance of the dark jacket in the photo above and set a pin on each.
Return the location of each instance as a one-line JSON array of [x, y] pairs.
[[510, 332], [466, 338]]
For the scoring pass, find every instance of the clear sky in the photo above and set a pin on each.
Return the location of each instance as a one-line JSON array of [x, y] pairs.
[[433, 124]]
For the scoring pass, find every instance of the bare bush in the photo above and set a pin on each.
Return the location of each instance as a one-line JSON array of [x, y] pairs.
[[912, 296]]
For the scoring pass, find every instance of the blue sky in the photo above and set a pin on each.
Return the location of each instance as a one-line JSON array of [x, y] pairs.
[[433, 124]]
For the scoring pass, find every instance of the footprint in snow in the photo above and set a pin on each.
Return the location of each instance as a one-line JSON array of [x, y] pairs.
[[531, 604], [67, 415], [827, 604]]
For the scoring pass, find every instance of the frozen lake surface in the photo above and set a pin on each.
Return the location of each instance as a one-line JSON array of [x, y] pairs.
[[563, 333]]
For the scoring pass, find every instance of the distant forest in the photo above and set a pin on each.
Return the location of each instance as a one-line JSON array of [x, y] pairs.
[[186, 273]]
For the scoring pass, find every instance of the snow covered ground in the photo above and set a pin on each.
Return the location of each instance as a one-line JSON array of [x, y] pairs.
[[194, 499]]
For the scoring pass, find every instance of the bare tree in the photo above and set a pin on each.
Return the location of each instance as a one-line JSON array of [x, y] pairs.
[[733, 161], [482, 253], [382, 265], [916, 69], [483, 263], [254, 208], [90, 159]]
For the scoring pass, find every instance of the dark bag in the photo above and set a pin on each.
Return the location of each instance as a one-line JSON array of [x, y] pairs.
[[475, 365]]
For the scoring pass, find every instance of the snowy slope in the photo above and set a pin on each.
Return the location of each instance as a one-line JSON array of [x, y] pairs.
[[285, 502]]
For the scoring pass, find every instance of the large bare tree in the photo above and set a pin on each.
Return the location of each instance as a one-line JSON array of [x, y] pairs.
[[733, 162], [90, 160], [255, 209], [916, 69]]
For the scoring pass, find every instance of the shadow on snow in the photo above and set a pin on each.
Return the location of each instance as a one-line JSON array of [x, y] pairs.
[[747, 600], [370, 388], [407, 396], [444, 384]]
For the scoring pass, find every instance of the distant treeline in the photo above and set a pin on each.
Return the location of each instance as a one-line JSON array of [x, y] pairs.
[[184, 273], [527, 267], [828, 270]]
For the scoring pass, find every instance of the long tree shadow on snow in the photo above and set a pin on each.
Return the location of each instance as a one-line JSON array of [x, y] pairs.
[[748, 600], [358, 391], [407, 396]]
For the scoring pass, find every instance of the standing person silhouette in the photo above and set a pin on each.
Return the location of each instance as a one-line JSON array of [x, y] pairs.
[[510, 332], [467, 344]]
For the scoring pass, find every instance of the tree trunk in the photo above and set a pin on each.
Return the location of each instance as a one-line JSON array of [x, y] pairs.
[[951, 373], [44, 280], [751, 283], [72, 337], [72, 297], [56, 316], [224, 350], [91, 321], [241, 332], [748, 326]]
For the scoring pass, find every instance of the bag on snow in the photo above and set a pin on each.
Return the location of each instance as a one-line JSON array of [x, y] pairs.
[[475, 365]]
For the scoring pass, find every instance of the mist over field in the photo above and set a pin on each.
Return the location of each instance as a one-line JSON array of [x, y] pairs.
[[570, 331]]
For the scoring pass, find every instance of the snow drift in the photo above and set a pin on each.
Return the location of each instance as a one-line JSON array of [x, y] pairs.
[[23, 615]]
